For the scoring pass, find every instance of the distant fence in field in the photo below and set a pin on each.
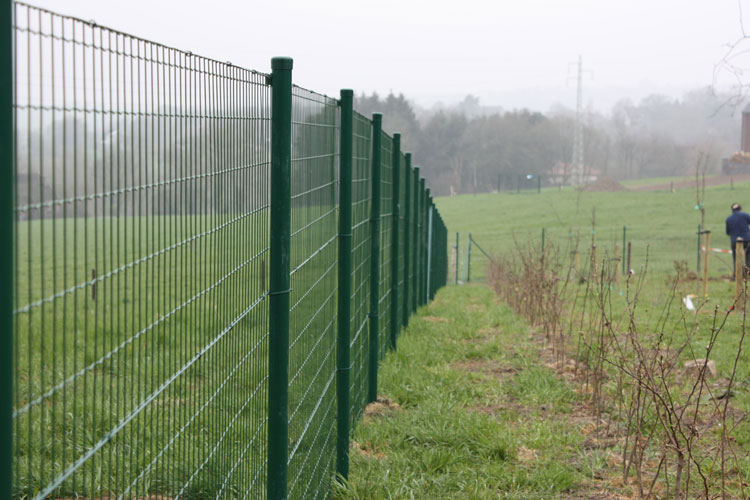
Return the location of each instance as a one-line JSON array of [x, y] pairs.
[[655, 248], [205, 265]]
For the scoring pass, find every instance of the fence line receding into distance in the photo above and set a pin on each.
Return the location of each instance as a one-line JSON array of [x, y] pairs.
[[183, 236]]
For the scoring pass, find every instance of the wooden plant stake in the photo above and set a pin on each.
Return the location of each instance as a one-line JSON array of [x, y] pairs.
[[739, 272]]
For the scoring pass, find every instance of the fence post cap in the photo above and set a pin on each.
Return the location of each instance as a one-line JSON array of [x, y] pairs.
[[282, 63]]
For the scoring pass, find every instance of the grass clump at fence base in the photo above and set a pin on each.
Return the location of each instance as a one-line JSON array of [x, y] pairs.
[[478, 416]]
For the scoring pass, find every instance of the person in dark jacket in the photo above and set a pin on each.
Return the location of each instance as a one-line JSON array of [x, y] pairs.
[[738, 227]]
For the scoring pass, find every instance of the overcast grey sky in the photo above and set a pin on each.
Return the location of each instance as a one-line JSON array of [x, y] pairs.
[[512, 53]]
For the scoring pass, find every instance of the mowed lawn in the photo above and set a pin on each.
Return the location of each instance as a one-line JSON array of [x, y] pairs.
[[472, 413]]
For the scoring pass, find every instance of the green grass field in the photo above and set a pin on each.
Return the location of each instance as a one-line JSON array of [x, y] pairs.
[[660, 224]]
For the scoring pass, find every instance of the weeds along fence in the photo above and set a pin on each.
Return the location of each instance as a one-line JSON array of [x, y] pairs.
[[203, 267], [668, 389]]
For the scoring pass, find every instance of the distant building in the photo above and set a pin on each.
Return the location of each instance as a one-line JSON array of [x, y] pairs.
[[566, 174]]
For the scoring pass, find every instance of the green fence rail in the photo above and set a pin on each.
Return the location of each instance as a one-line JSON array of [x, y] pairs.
[[204, 267]]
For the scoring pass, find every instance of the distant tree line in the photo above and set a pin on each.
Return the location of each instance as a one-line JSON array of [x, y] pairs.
[[465, 148]]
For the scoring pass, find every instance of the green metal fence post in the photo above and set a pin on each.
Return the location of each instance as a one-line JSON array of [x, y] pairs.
[[372, 386], [542, 240], [468, 260], [539, 184], [394, 237], [7, 176], [415, 240], [278, 294], [624, 238], [518, 185], [344, 284], [407, 237], [499, 182]]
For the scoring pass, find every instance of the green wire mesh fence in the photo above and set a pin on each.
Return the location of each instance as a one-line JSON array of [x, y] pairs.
[[386, 243], [402, 293], [312, 335], [139, 239], [360, 269]]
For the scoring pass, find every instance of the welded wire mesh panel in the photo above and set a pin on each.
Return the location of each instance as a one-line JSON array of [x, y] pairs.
[[442, 253], [438, 250], [444, 229], [415, 250], [402, 232], [312, 358], [412, 233], [140, 325], [417, 242], [424, 250], [386, 231], [360, 300]]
